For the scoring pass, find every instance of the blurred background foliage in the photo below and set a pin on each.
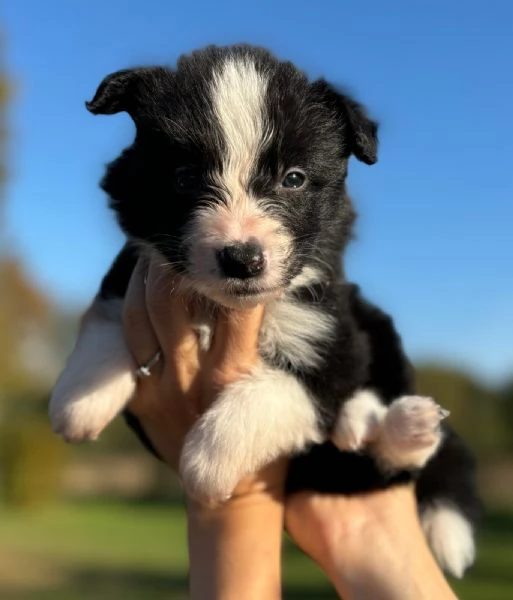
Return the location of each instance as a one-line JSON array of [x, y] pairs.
[[105, 520]]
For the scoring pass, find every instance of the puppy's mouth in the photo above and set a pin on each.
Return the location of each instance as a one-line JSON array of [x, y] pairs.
[[248, 297], [255, 292], [233, 294]]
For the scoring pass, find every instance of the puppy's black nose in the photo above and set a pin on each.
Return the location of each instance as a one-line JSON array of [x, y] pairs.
[[241, 261]]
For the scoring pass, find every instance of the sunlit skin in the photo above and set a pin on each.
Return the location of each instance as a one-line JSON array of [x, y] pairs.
[[235, 547]]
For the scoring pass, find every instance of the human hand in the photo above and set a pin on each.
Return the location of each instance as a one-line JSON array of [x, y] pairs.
[[235, 547], [239, 542], [158, 315], [370, 544]]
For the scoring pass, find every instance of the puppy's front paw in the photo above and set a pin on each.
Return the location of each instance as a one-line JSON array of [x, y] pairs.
[[358, 421], [411, 431], [255, 420], [77, 421], [209, 474], [98, 379], [83, 419], [79, 411]]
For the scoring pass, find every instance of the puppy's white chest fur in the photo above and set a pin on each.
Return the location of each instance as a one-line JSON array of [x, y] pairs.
[[292, 332]]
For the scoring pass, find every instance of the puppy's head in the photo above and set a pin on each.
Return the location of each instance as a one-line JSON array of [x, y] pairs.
[[236, 174]]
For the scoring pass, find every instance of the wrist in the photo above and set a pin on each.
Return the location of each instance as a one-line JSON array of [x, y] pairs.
[[267, 485], [235, 547]]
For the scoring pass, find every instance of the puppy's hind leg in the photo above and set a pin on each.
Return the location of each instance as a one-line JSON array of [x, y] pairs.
[[411, 433], [401, 436], [98, 379]]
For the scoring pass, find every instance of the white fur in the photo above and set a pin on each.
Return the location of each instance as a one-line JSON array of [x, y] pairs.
[[204, 331], [359, 421], [221, 224], [290, 331], [238, 97], [239, 91], [450, 536], [308, 276], [404, 435], [98, 379], [410, 434], [256, 419]]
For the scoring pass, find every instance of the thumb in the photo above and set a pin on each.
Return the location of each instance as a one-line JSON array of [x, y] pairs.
[[168, 308], [236, 336]]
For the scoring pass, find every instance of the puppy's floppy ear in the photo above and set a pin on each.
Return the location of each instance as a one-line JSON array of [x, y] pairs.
[[124, 90], [362, 130]]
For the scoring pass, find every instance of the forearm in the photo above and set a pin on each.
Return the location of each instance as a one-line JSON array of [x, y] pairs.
[[386, 556], [371, 546], [391, 570], [235, 549]]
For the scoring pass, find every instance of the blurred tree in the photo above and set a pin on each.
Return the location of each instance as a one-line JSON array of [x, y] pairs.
[[475, 409], [31, 457], [506, 409], [31, 462], [33, 335], [24, 312]]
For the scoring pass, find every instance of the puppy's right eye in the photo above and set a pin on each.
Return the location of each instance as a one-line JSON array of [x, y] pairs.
[[187, 180], [294, 180]]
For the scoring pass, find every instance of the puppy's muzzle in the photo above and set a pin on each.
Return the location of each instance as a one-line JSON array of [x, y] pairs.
[[242, 260]]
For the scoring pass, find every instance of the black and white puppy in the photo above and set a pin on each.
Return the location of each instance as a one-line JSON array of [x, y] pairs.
[[236, 177]]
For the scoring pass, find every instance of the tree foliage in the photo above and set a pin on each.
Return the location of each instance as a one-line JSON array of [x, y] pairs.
[[476, 410], [24, 310], [31, 457]]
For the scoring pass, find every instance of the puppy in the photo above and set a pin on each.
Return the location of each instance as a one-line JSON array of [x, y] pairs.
[[236, 179]]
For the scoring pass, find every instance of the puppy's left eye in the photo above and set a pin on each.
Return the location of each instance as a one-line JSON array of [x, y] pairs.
[[187, 180], [294, 180]]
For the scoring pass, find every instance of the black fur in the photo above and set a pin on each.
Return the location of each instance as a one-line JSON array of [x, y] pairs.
[[314, 126], [175, 127]]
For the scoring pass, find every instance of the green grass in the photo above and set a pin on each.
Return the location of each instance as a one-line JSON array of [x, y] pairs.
[[110, 551]]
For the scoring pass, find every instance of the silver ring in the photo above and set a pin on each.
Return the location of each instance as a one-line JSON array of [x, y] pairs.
[[145, 370]]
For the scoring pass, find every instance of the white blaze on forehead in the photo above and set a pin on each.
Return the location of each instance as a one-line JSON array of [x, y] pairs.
[[239, 91]]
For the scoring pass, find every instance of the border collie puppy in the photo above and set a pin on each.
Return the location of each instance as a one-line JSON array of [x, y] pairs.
[[236, 178]]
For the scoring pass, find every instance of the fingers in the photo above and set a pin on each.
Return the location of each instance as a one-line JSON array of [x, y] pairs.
[[158, 315], [169, 312], [236, 336], [140, 336]]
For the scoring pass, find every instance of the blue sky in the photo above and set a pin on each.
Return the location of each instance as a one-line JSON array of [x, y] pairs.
[[436, 213]]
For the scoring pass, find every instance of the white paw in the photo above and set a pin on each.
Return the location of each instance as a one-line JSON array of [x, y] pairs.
[[256, 419], [81, 419], [410, 433], [96, 383], [75, 423], [359, 421], [208, 471], [79, 411]]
